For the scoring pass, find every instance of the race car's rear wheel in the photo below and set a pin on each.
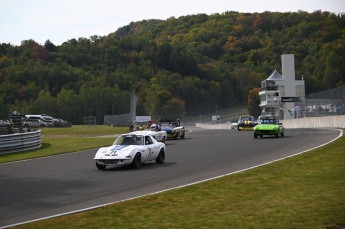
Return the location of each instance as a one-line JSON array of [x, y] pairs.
[[255, 135], [164, 139], [99, 166], [161, 157], [282, 134], [136, 163]]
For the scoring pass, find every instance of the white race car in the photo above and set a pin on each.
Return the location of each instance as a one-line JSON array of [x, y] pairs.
[[131, 149], [159, 135]]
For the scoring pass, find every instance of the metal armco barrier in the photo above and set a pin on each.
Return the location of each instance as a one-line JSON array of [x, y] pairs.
[[17, 142]]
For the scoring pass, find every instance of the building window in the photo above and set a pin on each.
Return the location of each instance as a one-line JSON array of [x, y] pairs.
[[300, 91]]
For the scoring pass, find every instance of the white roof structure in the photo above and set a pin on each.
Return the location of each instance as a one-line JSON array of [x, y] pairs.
[[275, 76]]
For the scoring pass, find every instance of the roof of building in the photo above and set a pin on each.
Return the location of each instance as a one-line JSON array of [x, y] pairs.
[[275, 76]]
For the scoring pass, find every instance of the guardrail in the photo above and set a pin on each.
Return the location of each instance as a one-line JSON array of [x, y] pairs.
[[17, 142]]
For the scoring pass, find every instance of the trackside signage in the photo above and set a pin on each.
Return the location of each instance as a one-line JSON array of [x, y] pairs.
[[289, 99]]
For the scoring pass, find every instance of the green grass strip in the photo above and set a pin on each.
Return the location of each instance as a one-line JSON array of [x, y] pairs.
[[53, 146], [305, 191], [66, 140]]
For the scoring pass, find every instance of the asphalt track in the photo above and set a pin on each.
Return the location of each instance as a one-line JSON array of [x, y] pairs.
[[50, 186]]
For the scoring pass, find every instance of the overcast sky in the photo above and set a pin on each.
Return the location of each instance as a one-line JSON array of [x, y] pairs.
[[62, 20]]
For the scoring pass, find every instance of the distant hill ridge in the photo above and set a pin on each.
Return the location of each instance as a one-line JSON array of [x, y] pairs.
[[178, 66]]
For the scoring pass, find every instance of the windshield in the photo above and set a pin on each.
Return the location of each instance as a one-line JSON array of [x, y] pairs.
[[129, 140], [269, 121], [166, 125], [247, 118]]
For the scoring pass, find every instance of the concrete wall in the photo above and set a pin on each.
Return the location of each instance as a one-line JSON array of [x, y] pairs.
[[337, 121], [213, 126]]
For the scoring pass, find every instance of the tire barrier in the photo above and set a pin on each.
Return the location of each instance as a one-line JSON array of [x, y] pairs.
[[17, 142]]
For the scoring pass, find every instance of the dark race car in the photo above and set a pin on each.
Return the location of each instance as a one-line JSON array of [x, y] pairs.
[[173, 128], [246, 122]]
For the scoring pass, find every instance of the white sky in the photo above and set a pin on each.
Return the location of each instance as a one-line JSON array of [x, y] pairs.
[[61, 20]]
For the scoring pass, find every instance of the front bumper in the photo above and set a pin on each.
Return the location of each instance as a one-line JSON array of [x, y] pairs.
[[172, 135], [245, 127], [266, 132], [112, 161]]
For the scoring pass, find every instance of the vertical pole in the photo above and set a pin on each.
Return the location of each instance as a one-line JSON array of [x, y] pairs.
[[133, 107], [113, 114]]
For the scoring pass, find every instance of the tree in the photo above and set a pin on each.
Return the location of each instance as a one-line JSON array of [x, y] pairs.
[[45, 104], [4, 112], [69, 106], [48, 45], [173, 109], [253, 102], [163, 97]]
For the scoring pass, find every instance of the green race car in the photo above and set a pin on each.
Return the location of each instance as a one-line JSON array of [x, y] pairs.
[[269, 126]]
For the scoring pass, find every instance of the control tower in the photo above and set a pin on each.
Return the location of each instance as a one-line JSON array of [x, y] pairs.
[[280, 92]]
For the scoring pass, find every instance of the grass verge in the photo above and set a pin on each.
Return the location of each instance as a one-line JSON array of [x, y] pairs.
[[77, 138], [306, 191], [82, 131], [53, 146]]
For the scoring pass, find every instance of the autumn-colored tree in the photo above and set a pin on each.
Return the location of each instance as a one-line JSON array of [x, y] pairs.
[[253, 102]]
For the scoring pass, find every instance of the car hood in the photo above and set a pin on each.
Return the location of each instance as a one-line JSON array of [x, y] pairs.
[[116, 149], [168, 129], [266, 127]]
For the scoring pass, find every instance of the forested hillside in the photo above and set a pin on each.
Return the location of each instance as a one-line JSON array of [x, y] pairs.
[[185, 65]]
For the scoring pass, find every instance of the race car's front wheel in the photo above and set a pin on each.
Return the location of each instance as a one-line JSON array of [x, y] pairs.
[[182, 136], [136, 163], [99, 166], [161, 157]]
